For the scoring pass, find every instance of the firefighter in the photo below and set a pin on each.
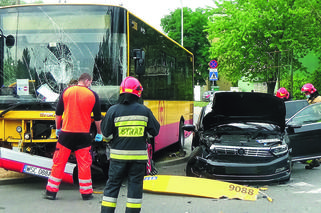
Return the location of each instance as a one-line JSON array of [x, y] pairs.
[[312, 96], [128, 122], [283, 94], [311, 93], [77, 102]]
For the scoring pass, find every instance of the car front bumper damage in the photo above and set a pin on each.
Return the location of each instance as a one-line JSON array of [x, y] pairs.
[[275, 170]]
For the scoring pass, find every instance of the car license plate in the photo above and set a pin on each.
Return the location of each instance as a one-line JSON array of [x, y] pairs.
[[36, 171]]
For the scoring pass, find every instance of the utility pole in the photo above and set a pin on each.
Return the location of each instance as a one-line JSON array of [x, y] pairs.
[[17, 2]]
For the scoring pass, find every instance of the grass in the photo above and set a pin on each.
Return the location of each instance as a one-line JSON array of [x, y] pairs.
[[200, 103]]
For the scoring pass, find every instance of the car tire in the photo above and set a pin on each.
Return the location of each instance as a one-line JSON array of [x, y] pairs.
[[191, 160]]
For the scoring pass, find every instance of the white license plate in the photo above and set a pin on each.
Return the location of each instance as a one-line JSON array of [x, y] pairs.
[[36, 171]]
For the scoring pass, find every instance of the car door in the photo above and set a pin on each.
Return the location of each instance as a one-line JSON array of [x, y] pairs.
[[304, 131]]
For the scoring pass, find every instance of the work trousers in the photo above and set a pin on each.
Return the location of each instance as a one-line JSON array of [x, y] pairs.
[[60, 159], [118, 170]]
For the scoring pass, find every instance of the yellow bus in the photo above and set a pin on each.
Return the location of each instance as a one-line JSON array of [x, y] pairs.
[[45, 47]]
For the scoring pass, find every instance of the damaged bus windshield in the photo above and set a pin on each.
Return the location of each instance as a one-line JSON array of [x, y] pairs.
[[54, 45], [44, 48]]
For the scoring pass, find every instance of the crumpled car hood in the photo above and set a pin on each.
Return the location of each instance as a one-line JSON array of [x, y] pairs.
[[236, 107]]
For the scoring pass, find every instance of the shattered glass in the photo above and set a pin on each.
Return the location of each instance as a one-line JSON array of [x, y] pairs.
[[55, 44]]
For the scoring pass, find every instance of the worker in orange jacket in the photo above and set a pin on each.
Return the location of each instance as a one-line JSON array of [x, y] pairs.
[[77, 102]]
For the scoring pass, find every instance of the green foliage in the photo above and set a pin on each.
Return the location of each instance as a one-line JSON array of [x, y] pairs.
[[200, 103], [7, 2], [13, 2], [194, 37], [253, 37]]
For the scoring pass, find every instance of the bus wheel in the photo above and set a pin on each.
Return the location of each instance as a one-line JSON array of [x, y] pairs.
[[181, 136]]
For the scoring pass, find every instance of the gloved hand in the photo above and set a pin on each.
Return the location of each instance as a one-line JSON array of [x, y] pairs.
[[99, 137], [58, 131]]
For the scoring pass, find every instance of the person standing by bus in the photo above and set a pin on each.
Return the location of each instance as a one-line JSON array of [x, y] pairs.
[[128, 122], [77, 102]]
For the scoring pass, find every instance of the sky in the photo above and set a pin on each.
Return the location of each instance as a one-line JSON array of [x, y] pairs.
[[151, 11]]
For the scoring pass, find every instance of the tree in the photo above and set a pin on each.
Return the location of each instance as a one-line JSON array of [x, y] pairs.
[[7, 2], [260, 39], [14, 2], [195, 38]]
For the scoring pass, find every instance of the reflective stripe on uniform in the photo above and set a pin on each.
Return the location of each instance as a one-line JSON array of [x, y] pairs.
[[85, 181], [58, 180], [52, 185], [134, 200], [128, 154], [131, 123], [85, 187], [131, 118], [109, 201], [134, 205]]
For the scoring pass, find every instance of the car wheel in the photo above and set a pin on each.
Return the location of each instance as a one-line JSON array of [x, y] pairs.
[[191, 161]]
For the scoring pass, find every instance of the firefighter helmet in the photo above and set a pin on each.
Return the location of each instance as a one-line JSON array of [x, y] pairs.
[[308, 88], [282, 93], [131, 85]]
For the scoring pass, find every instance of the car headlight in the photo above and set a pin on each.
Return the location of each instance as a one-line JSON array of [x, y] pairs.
[[279, 149]]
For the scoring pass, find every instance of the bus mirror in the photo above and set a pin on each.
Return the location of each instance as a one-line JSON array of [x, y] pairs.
[[10, 41], [139, 57]]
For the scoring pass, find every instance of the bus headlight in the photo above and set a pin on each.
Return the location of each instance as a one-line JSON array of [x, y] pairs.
[[19, 129], [27, 136]]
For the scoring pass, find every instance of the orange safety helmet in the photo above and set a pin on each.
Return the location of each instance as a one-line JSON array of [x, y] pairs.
[[131, 85], [282, 93], [308, 88]]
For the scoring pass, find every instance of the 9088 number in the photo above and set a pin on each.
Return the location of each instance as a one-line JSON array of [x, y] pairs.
[[243, 190]]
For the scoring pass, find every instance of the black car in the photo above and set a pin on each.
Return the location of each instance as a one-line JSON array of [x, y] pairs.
[[304, 132], [241, 137]]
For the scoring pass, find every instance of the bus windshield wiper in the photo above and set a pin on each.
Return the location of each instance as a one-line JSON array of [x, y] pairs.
[[9, 109]]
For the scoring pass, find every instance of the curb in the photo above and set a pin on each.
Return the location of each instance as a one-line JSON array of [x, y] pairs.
[[173, 162], [178, 160]]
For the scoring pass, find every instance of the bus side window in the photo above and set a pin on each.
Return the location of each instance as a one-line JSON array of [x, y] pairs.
[[139, 56]]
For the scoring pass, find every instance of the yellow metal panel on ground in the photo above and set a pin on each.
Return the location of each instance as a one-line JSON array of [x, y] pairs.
[[201, 187]]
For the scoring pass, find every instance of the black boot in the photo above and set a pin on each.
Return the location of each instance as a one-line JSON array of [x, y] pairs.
[[87, 196], [50, 195], [316, 163]]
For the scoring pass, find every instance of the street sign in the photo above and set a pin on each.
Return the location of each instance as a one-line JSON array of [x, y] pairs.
[[213, 64], [213, 75]]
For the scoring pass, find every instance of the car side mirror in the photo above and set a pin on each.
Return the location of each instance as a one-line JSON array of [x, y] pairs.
[[139, 57], [10, 41], [294, 125], [189, 127]]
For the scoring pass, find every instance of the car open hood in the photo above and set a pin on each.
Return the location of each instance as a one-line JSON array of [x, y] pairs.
[[245, 107]]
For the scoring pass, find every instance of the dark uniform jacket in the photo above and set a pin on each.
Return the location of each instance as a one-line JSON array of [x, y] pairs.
[[129, 125]]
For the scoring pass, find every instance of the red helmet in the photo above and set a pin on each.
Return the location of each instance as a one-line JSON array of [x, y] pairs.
[[282, 93], [131, 85], [308, 88]]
